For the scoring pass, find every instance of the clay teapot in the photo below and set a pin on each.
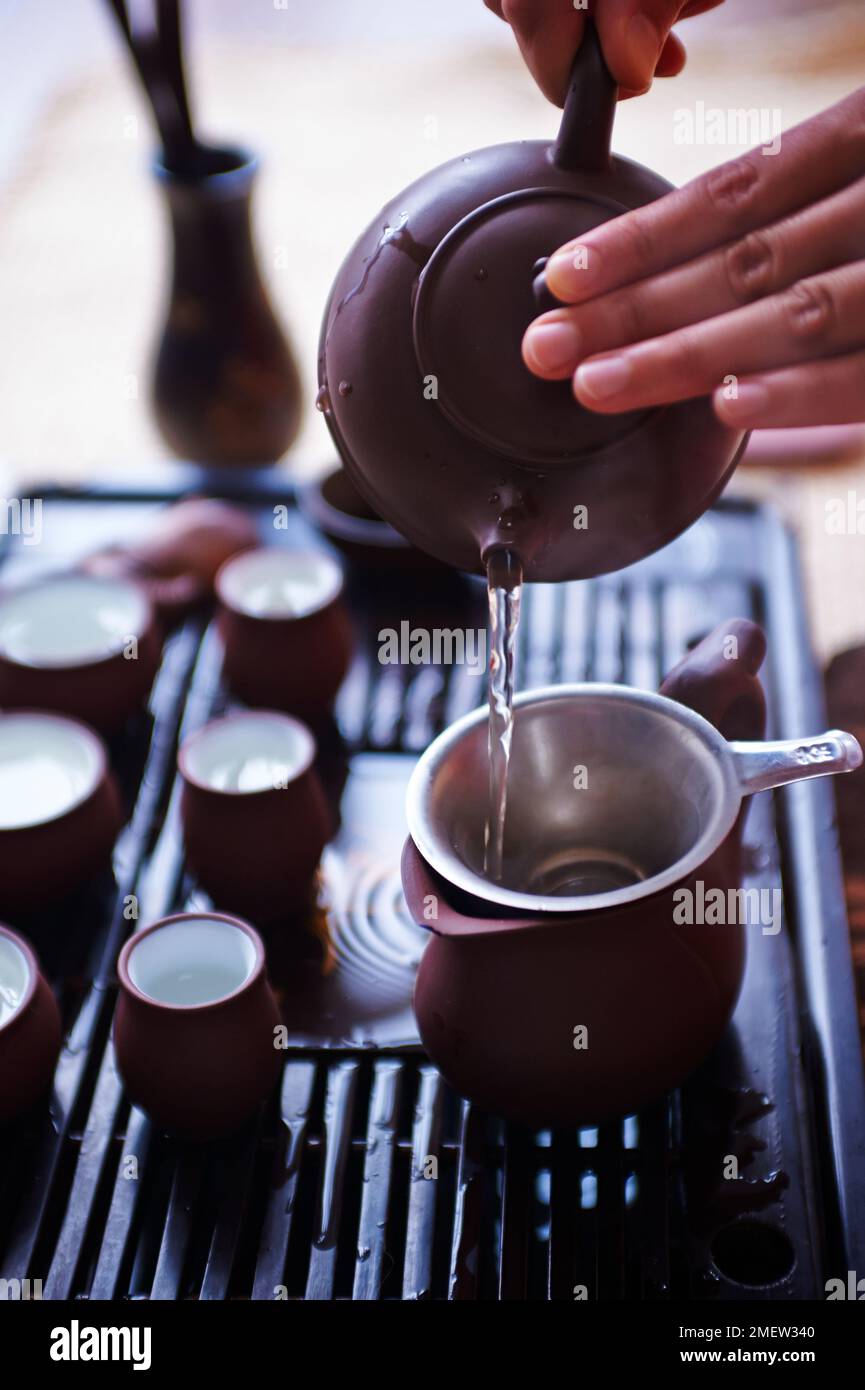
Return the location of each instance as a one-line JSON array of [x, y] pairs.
[[587, 986], [438, 421]]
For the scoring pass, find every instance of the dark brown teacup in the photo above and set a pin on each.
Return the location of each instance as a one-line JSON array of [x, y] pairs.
[[287, 634], [60, 808], [255, 818], [82, 644], [333, 504], [29, 1027], [196, 1029]]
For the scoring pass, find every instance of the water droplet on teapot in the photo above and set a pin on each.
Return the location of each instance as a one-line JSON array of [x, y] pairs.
[[494, 498], [322, 400], [510, 518], [345, 388], [481, 275]]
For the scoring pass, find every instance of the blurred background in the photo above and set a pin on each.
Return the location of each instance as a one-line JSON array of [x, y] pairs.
[[345, 103]]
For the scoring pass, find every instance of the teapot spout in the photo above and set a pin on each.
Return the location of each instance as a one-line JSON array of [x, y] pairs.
[[429, 906]]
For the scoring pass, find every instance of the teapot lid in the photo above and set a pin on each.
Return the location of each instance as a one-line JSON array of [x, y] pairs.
[[476, 296], [483, 284]]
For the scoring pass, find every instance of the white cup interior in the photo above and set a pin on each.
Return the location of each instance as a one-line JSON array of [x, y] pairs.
[[14, 978], [71, 620], [48, 766], [193, 962], [250, 752], [273, 583]]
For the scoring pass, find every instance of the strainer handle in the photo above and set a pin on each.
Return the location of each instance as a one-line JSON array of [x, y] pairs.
[[763, 765]]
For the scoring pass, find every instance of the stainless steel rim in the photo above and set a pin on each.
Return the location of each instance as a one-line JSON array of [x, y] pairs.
[[445, 862]]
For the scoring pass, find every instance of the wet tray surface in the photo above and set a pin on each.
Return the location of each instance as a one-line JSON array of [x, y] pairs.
[[329, 1195]]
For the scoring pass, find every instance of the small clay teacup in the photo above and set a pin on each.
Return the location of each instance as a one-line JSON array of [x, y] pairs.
[[287, 634], [334, 506], [195, 1026], [59, 808], [255, 819], [81, 644], [29, 1027]]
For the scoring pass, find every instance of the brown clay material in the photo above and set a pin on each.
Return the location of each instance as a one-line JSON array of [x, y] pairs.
[[497, 1009], [498, 999], [226, 389], [293, 664], [172, 597], [196, 537], [720, 679], [177, 564], [102, 693], [439, 423], [29, 1040], [42, 864], [255, 852], [198, 1071], [334, 505]]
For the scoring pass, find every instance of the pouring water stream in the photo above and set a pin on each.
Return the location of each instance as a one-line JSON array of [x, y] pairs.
[[504, 591]]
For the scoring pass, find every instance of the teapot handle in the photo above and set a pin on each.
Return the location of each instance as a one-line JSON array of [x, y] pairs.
[[583, 141]]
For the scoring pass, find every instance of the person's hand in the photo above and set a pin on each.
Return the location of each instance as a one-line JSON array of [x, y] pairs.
[[634, 34], [747, 284]]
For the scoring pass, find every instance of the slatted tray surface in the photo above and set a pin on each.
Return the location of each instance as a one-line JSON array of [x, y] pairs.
[[366, 1177]]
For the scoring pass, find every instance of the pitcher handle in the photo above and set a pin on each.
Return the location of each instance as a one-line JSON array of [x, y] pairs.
[[760, 766]]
